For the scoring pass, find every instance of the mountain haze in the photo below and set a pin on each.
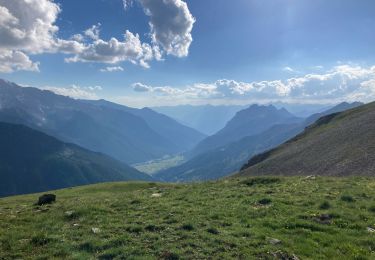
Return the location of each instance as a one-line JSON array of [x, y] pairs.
[[103, 128], [207, 119], [182, 136], [247, 122], [31, 161], [229, 158]]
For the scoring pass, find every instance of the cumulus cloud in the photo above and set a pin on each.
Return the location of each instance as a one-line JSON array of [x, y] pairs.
[[344, 82], [171, 24], [112, 69], [93, 32], [75, 91], [16, 60], [115, 51], [27, 27]]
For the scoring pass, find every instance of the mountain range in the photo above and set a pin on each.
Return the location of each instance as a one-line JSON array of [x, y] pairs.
[[229, 158], [209, 119], [250, 121], [129, 135], [339, 144], [31, 161]]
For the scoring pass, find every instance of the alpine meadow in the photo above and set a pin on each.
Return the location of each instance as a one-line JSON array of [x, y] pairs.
[[184, 129]]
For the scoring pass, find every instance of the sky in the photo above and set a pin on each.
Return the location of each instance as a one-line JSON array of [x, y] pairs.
[[170, 52]]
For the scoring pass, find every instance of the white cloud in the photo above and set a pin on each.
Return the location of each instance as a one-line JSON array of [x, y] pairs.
[[16, 60], [126, 4], [112, 69], [76, 92], [27, 27], [93, 32], [344, 82], [288, 69], [77, 37], [115, 51], [139, 87], [171, 24]]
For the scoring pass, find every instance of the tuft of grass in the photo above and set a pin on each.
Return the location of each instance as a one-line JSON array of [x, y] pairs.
[[347, 198], [213, 231], [169, 256], [135, 202], [325, 205], [261, 181], [134, 229], [188, 227], [40, 240]]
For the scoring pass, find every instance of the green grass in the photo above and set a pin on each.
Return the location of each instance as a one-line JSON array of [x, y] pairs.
[[154, 166], [238, 218]]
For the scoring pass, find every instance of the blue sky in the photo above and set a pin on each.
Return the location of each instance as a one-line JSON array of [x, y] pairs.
[[240, 51]]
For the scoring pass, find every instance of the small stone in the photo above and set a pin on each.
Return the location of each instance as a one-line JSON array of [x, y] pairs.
[[274, 241], [156, 195], [69, 213], [46, 199], [324, 219], [370, 229], [75, 225], [95, 230], [310, 177]]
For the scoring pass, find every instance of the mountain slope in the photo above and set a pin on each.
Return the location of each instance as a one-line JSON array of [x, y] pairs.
[[247, 122], [31, 161], [182, 136], [339, 144], [227, 159], [120, 134], [338, 108]]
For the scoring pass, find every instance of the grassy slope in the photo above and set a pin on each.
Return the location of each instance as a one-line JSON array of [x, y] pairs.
[[338, 145], [208, 220]]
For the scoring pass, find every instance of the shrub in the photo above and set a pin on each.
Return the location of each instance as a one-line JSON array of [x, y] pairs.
[[372, 209], [325, 205], [261, 181], [135, 202], [153, 228], [188, 227], [213, 231], [347, 198], [40, 240], [89, 246], [134, 229], [169, 256]]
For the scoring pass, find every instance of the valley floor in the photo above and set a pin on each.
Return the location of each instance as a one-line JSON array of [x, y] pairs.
[[253, 218]]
